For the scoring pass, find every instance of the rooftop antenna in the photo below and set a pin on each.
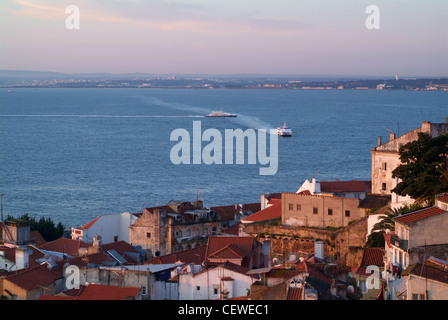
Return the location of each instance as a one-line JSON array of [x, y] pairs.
[[387, 129], [198, 194]]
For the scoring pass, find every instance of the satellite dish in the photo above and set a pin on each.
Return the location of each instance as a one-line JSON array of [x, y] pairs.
[[350, 289]]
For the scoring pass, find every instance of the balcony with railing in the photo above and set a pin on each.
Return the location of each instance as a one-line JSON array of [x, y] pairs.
[[400, 243]]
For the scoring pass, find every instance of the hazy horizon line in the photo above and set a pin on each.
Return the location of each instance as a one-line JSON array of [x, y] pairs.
[[239, 74]]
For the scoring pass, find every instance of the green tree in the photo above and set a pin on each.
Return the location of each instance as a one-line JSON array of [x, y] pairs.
[[376, 237], [46, 227], [423, 163]]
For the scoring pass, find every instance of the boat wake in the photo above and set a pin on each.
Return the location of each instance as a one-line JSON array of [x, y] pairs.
[[243, 120]]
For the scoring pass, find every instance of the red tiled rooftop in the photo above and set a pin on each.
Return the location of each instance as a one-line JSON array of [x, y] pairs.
[[104, 292], [195, 255], [345, 186], [121, 247], [443, 198], [372, 256], [89, 224], [271, 212], [430, 272], [294, 294], [64, 245], [33, 277], [228, 252], [216, 243], [100, 292], [408, 218], [234, 230]]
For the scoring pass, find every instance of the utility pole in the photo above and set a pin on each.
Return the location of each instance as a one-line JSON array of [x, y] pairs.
[[1, 196]]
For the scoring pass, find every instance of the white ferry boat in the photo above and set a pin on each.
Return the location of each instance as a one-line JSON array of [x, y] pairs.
[[284, 131], [219, 114]]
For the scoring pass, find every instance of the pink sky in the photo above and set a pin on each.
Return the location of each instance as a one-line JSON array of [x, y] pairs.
[[227, 36]]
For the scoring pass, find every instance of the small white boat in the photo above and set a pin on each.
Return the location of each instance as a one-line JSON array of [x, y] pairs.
[[220, 114], [284, 131]]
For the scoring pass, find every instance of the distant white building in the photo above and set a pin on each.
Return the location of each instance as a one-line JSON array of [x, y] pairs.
[[218, 283], [111, 228], [348, 189]]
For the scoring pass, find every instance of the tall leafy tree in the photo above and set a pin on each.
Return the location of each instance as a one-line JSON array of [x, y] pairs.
[[423, 163], [46, 227]]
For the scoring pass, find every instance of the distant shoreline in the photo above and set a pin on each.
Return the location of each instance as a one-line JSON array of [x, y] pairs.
[[414, 84]]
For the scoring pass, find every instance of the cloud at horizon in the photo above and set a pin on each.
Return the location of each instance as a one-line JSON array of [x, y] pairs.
[[249, 36]]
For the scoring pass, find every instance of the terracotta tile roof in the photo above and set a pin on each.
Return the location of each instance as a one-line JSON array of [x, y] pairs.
[[370, 257], [94, 258], [294, 294], [244, 244], [228, 252], [104, 292], [100, 292], [65, 245], [228, 212], [33, 277], [236, 268], [195, 255], [345, 186], [88, 225], [443, 198], [121, 247], [234, 230], [37, 238], [271, 212], [10, 254], [373, 256], [372, 201], [239, 298], [408, 218], [387, 238], [430, 271]]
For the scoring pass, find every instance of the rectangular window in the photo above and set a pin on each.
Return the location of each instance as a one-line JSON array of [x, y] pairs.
[[347, 213], [198, 288], [148, 234], [383, 186], [330, 212], [384, 166], [314, 210], [215, 290], [298, 207], [291, 207]]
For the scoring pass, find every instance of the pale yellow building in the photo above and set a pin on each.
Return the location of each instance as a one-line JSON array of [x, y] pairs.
[[385, 158]]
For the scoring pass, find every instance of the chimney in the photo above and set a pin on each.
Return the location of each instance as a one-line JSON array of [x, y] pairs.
[[379, 141], [426, 127], [319, 250], [392, 136], [22, 258]]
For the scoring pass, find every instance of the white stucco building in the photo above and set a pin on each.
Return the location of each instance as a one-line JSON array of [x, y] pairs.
[[111, 228], [221, 282]]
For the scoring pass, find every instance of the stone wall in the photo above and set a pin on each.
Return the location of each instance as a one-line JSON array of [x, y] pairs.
[[346, 242]]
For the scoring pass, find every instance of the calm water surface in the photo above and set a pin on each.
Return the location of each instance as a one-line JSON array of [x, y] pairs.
[[75, 154]]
